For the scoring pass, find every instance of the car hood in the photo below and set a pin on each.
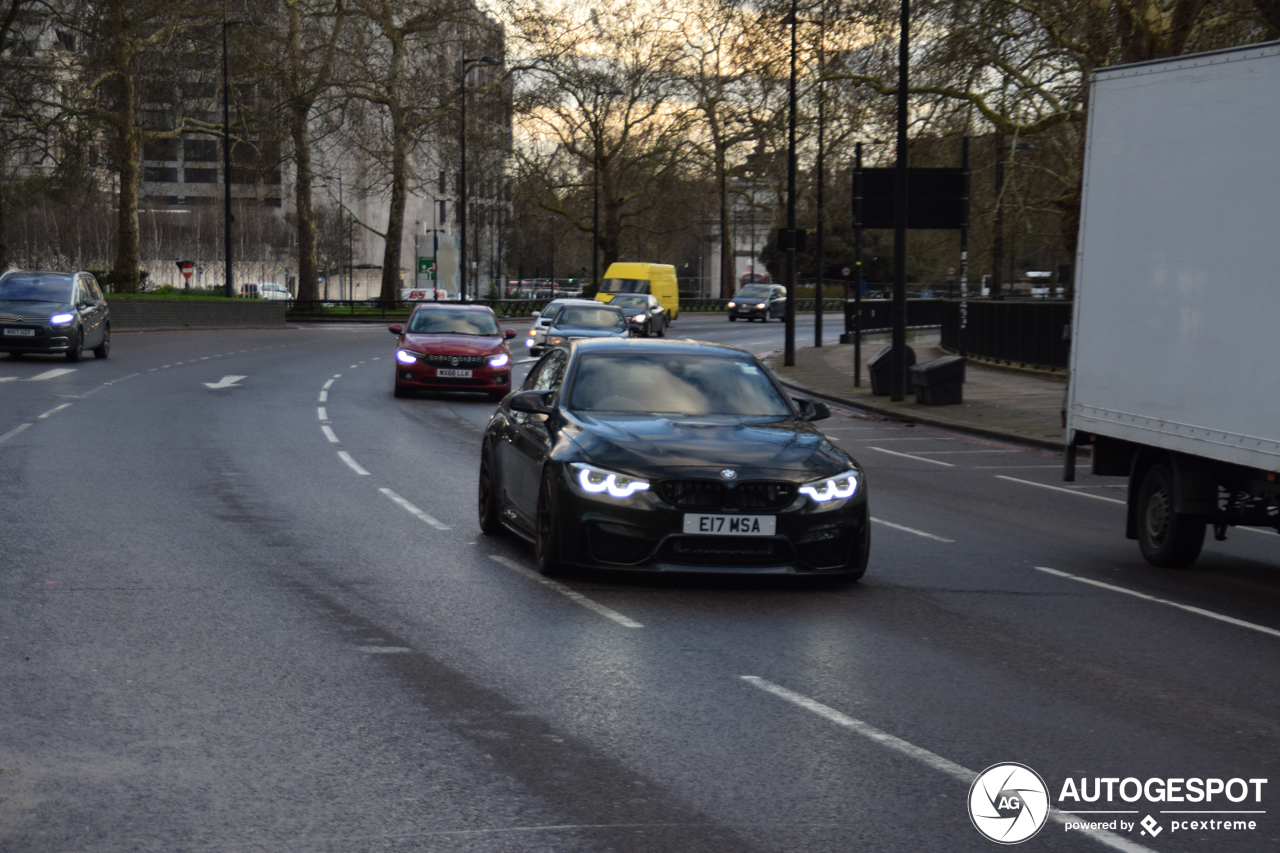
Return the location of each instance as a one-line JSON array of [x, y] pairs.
[[452, 344], [689, 446], [32, 311]]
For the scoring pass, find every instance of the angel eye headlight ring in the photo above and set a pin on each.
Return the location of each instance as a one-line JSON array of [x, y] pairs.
[[840, 487]]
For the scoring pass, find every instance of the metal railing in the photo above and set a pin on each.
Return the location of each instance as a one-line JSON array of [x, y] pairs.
[[1029, 332]]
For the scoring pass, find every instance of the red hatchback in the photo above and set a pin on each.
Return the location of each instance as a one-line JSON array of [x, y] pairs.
[[452, 347]]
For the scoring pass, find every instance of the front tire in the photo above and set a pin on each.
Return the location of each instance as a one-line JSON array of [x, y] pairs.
[[732, 319], [1167, 539], [488, 498], [401, 391], [76, 351], [103, 349], [546, 551]]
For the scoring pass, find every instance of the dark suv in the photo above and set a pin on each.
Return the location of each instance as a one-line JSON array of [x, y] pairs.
[[759, 301], [53, 312]]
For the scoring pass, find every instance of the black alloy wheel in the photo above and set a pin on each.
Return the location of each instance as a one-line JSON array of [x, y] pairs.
[[546, 551], [103, 349], [488, 504], [1167, 539], [662, 330], [76, 351]]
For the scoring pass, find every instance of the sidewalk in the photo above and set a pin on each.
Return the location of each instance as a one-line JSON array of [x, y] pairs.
[[1000, 403]]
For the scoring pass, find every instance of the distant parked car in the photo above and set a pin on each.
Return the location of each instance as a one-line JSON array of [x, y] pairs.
[[274, 292], [53, 312], [452, 347]]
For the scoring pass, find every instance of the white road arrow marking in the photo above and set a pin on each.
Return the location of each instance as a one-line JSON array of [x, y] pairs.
[[225, 382]]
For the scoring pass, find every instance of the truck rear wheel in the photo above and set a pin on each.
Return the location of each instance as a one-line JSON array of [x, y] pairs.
[[1168, 539]]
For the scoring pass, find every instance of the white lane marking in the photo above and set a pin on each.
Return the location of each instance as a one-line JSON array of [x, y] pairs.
[[52, 374], [121, 379], [606, 612], [955, 452], [1060, 489], [324, 396], [917, 458], [385, 650], [11, 433], [152, 369], [909, 530], [54, 409], [204, 358], [1010, 467], [337, 376], [328, 384], [329, 434], [351, 463], [1230, 620], [379, 358], [353, 367], [225, 382], [324, 416], [413, 510], [931, 759], [913, 438], [166, 367], [8, 378]]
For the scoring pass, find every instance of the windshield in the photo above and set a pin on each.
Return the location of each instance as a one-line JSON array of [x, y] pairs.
[[754, 291], [674, 384], [443, 321], [637, 301], [624, 285], [588, 317], [35, 288]]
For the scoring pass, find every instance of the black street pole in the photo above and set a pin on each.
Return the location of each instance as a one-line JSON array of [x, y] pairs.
[[462, 186], [789, 335], [227, 218], [997, 228], [964, 256], [595, 220], [898, 362], [817, 303], [857, 265]]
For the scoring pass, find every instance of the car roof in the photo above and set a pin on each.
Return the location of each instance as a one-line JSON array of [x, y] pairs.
[[452, 306], [648, 345]]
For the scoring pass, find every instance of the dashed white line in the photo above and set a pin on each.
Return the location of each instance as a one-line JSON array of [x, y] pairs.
[[329, 433], [324, 416], [1059, 489], [917, 458], [573, 595], [413, 510], [351, 463], [8, 378], [931, 759], [385, 650], [328, 384], [54, 409], [1010, 467], [909, 530], [1200, 611], [337, 376], [353, 367], [52, 374], [324, 396], [11, 433]]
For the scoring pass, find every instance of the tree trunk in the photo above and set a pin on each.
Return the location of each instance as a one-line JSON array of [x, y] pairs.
[[395, 216], [128, 166], [308, 279], [4, 233], [726, 233]]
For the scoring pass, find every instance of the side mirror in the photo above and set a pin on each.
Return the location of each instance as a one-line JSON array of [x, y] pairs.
[[812, 410], [511, 333], [532, 402], [537, 314], [396, 329]]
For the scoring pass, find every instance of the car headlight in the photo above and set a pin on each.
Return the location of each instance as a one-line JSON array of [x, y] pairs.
[[597, 482], [838, 488], [406, 357], [733, 305], [759, 304], [62, 319], [529, 340], [499, 360], [555, 340]]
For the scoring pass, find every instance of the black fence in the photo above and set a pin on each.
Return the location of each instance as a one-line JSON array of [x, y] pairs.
[[1034, 333], [877, 314]]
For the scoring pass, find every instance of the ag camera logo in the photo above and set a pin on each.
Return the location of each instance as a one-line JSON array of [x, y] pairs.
[[1008, 803]]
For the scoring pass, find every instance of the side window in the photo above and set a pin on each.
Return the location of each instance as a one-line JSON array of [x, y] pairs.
[[92, 286], [81, 296], [547, 374]]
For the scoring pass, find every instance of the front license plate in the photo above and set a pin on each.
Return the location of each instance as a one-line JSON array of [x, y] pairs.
[[21, 333], [731, 525], [456, 374]]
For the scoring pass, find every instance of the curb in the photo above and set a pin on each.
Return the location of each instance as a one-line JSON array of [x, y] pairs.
[[901, 417]]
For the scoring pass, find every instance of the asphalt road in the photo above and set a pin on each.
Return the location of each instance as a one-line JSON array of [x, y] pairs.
[[261, 616]]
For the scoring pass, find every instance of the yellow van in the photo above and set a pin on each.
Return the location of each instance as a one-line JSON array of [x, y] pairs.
[[658, 279]]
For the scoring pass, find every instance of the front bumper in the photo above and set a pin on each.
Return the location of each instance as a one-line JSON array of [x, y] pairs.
[[43, 341], [645, 533], [750, 313], [425, 377]]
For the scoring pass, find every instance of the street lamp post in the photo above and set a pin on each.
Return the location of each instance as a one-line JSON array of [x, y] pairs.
[[789, 335], [597, 144], [462, 170], [226, 163]]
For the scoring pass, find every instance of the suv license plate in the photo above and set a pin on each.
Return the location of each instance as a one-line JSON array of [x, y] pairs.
[[730, 525], [451, 372], [21, 333]]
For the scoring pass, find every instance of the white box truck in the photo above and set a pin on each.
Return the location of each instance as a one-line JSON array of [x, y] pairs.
[[1175, 362]]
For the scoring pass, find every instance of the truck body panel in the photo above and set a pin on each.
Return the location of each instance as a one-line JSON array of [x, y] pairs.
[[1178, 285]]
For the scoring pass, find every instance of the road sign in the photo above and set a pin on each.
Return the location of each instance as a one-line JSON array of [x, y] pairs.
[[425, 264], [951, 271], [187, 268], [846, 272]]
